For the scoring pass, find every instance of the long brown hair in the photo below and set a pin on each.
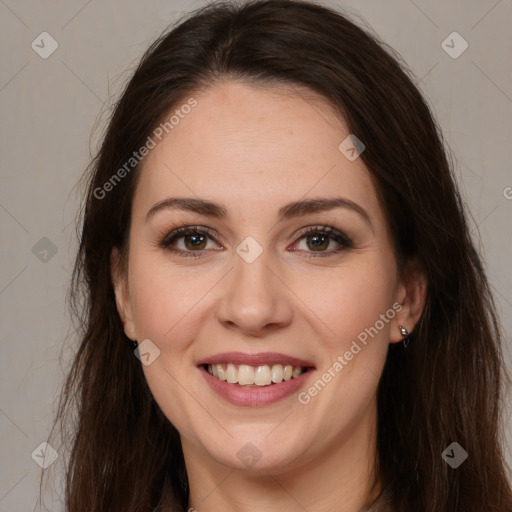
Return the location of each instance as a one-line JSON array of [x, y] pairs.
[[445, 387]]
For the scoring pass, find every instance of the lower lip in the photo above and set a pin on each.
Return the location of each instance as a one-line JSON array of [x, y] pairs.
[[255, 396]]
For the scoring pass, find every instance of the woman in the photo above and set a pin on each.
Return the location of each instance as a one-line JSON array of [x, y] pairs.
[[284, 307]]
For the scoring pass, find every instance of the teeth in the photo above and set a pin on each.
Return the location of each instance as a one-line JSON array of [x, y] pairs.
[[263, 375], [277, 373], [296, 372], [245, 374], [231, 374]]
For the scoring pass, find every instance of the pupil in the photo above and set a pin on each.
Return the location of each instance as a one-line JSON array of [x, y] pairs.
[[195, 240], [318, 241]]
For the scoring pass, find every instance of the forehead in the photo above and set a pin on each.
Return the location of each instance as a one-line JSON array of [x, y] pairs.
[[247, 146]]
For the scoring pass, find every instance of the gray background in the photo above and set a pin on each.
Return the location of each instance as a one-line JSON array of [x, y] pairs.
[[50, 106]]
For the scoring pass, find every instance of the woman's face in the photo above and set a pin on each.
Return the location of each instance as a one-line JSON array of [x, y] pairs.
[[253, 282]]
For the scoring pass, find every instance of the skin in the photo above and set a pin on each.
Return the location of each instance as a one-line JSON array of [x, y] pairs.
[[255, 149]]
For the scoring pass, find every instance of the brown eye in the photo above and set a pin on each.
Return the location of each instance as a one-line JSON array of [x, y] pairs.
[[188, 241], [317, 242], [318, 239], [196, 241]]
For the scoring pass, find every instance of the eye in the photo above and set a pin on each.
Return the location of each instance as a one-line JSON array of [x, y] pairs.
[[319, 238], [189, 241], [192, 241]]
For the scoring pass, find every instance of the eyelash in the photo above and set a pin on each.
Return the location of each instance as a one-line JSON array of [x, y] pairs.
[[328, 231]]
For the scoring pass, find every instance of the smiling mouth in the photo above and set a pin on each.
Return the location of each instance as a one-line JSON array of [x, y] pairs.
[[255, 376]]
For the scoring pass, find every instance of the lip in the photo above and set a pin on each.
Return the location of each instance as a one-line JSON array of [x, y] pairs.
[[259, 359], [255, 396]]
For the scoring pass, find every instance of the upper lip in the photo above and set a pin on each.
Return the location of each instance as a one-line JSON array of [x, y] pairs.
[[259, 359]]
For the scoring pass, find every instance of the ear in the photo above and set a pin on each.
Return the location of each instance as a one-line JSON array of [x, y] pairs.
[[411, 295], [120, 283]]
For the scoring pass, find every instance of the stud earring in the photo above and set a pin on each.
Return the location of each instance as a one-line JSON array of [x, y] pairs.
[[404, 332]]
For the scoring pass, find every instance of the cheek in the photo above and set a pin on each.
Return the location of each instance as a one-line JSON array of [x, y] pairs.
[[350, 299], [161, 297]]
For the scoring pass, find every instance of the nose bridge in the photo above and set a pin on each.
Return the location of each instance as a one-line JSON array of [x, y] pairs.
[[253, 298]]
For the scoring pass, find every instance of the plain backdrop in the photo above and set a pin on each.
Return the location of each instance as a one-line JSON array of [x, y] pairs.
[[50, 106]]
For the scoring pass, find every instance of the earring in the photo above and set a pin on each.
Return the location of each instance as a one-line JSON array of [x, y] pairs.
[[404, 332]]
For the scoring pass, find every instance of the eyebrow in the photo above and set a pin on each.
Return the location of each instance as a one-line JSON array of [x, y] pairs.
[[289, 211]]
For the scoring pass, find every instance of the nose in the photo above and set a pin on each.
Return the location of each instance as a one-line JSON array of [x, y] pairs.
[[254, 299]]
